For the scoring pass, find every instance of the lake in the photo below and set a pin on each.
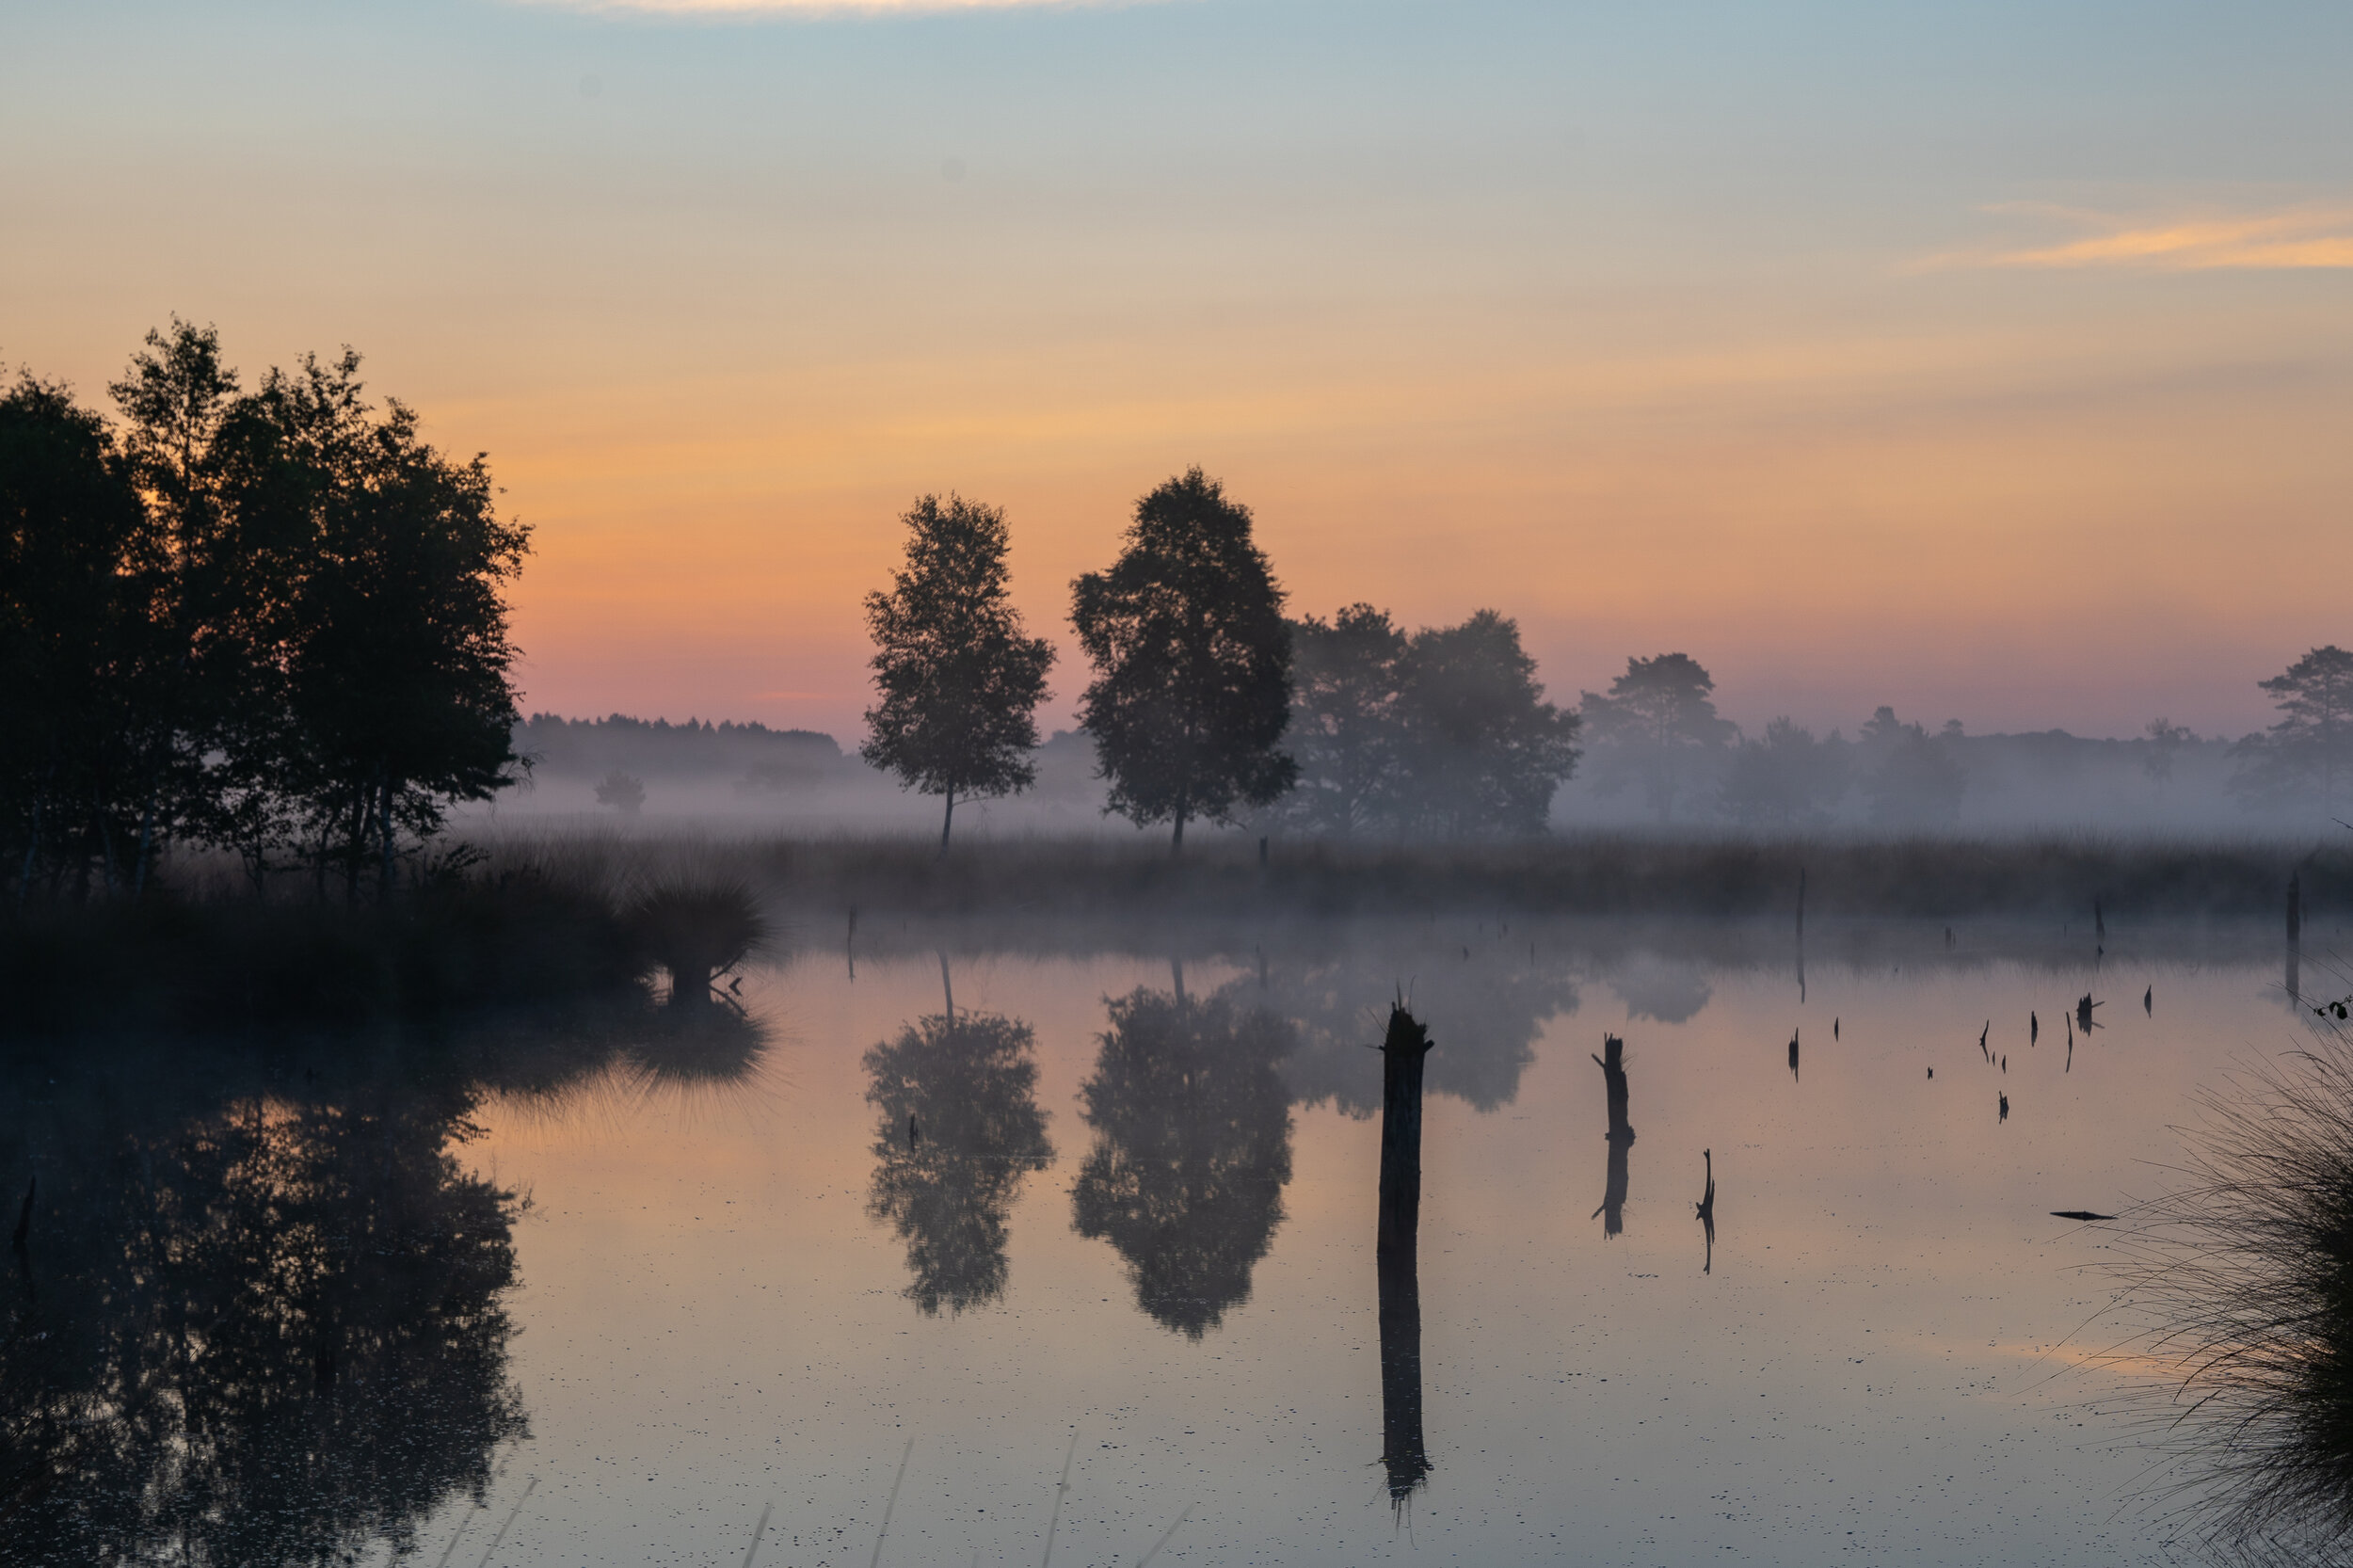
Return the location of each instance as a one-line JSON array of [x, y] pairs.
[[1086, 1264]]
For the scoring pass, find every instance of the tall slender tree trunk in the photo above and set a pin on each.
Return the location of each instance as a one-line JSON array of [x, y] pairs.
[[1177, 838], [947, 820], [384, 820]]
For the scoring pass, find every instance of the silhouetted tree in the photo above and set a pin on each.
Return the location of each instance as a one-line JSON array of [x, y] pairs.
[[204, 687], [960, 682], [1193, 661], [1445, 731], [395, 644], [1658, 727], [1786, 780], [1343, 731], [959, 1129], [306, 637], [1192, 1150], [1481, 751], [1914, 779], [2306, 754], [76, 556]]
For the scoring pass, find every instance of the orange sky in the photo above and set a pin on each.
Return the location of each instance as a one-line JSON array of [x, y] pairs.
[[1976, 371]]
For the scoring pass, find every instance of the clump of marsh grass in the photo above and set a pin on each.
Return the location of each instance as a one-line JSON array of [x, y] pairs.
[[698, 930], [692, 1048], [2241, 1282]]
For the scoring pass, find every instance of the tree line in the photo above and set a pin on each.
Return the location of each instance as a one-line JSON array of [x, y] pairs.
[[1208, 703], [270, 620]]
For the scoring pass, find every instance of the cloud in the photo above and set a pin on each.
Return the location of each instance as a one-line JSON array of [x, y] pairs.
[[2297, 238], [750, 8]]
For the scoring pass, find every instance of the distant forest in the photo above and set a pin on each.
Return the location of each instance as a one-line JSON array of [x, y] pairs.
[[758, 756], [1786, 779]]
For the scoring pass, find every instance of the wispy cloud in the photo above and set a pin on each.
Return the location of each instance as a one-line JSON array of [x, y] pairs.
[[2295, 238], [815, 8]]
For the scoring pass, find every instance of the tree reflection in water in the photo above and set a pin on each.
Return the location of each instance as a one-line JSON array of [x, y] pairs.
[[1192, 1129], [252, 1329], [1489, 1009], [2242, 1281], [959, 1129]]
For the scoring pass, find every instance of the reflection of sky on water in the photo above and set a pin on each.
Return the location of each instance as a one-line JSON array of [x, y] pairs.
[[714, 1318]]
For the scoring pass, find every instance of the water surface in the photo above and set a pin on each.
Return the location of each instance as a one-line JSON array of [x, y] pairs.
[[969, 1217]]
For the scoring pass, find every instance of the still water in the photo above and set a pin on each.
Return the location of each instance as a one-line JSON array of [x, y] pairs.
[[1031, 1252]]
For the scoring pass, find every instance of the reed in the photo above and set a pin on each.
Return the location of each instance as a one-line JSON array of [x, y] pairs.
[[2239, 1282], [1614, 875]]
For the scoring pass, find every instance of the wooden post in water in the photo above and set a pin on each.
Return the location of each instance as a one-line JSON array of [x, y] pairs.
[[1801, 933], [1612, 1064], [2296, 938], [1397, 1253]]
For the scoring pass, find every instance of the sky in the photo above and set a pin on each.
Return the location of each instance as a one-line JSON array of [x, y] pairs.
[[1992, 361]]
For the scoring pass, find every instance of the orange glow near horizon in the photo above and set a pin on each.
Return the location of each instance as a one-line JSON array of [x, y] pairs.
[[1725, 351]]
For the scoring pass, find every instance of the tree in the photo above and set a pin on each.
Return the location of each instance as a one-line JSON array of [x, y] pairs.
[[624, 793], [76, 556], [960, 682], [1916, 779], [202, 674], [1788, 779], [393, 639], [2309, 749], [1343, 723], [273, 616], [1657, 726], [1193, 663], [2166, 740], [1481, 752]]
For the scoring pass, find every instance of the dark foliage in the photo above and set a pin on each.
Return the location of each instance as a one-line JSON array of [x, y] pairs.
[[1192, 658], [1599, 874], [1443, 733], [1343, 731], [1915, 780], [959, 679], [2305, 758], [1657, 727], [278, 616], [761, 758], [697, 930], [1481, 752], [460, 944], [1788, 779]]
